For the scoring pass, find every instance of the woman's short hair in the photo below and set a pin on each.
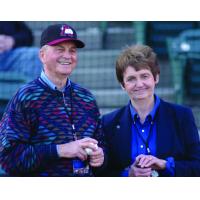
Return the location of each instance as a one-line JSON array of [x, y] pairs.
[[139, 57]]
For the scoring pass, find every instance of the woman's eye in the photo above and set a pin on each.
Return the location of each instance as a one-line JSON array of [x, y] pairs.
[[130, 79], [145, 76]]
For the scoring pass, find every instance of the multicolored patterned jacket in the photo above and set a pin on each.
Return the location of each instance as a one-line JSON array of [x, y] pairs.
[[37, 119]]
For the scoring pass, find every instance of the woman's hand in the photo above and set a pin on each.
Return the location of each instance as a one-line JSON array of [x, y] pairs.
[[146, 161], [137, 171]]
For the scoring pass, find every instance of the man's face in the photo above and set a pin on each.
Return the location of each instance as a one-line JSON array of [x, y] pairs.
[[140, 84], [59, 60]]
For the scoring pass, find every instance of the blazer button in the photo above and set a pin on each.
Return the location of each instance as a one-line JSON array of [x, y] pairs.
[[118, 126]]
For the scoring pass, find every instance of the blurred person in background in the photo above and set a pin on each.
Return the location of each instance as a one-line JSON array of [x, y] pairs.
[[16, 51], [149, 136], [52, 126]]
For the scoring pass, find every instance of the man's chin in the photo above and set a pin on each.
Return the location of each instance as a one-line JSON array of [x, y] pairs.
[[64, 74]]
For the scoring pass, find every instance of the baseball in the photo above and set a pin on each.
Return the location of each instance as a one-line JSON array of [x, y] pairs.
[[89, 150]]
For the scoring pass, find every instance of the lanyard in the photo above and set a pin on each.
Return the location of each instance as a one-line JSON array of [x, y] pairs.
[[70, 115], [80, 168], [146, 142]]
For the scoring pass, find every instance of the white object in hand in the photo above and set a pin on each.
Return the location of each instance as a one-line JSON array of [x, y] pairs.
[[89, 150], [154, 173]]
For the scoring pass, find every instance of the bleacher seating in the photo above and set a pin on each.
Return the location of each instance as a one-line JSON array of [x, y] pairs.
[[157, 33], [38, 26], [96, 64], [96, 71], [104, 41], [184, 52], [90, 35], [117, 35], [9, 83]]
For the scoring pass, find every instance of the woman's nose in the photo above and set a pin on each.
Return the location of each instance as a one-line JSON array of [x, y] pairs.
[[139, 82]]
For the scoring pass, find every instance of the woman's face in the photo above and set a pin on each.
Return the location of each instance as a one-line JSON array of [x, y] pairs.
[[139, 85]]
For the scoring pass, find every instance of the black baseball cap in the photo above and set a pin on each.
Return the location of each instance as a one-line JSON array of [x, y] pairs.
[[55, 34]]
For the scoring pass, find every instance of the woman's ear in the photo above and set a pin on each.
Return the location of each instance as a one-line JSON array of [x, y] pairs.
[[122, 86], [157, 78]]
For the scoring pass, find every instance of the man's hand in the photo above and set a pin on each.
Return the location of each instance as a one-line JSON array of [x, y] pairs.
[[76, 148]]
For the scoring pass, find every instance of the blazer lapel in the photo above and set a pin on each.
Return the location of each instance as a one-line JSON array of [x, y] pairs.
[[124, 135], [164, 140]]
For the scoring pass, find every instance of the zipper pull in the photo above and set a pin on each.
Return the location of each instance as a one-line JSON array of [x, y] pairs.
[[74, 132], [64, 98], [73, 127], [148, 150]]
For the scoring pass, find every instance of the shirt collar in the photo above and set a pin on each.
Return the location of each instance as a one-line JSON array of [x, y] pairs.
[[153, 111], [44, 78]]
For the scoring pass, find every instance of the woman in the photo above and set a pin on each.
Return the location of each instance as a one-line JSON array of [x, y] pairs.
[[149, 137]]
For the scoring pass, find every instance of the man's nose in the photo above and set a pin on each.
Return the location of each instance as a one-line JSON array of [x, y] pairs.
[[67, 54]]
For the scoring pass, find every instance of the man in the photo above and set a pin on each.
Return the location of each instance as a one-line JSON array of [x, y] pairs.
[[13, 35], [148, 136], [16, 51], [51, 126]]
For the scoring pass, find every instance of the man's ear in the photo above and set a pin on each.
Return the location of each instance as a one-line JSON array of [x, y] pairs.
[[42, 53]]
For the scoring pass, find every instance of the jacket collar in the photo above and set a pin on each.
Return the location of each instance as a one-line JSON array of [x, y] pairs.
[[165, 131]]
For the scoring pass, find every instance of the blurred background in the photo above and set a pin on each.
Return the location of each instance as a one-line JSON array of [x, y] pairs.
[[177, 44]]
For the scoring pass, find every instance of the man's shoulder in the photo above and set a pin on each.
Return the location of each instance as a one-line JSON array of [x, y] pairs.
[[82, 90], [32, 85], [28, 89]]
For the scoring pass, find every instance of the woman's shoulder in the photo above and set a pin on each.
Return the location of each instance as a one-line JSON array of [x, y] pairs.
[[114, 115], [173, 107]]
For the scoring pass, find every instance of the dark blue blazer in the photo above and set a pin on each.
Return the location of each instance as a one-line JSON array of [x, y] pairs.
[[177, 136]]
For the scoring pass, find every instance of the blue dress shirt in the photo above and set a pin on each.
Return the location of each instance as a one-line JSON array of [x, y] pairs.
[[46, 80], [144, 135]]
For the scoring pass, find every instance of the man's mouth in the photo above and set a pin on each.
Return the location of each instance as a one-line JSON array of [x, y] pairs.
[[65, 63]]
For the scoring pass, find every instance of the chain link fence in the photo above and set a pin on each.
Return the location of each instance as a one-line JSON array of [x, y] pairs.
[[96, 62]]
